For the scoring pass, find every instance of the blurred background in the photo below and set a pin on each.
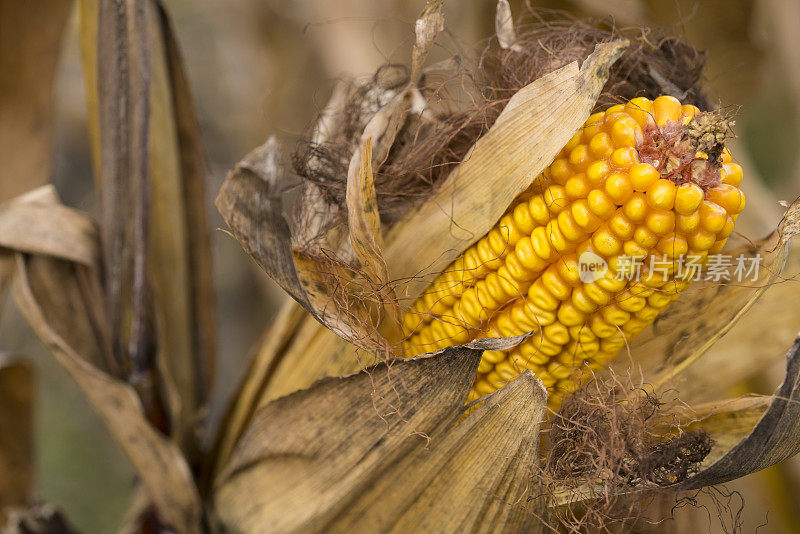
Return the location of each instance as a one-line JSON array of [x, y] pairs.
[[259, 67]]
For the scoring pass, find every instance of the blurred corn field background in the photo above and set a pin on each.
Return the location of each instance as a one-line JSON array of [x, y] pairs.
[[254, 67]]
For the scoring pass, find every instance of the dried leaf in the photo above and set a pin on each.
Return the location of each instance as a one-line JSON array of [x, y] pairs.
[[504, 25], [160, 464], [749, 434], [674, 343], [202, 356], [477, 192], [427, 26], [30, 45], [250, 203], [17, 397], [38, 223], [728, 422], [150, 167], [775, 437], [732, 359], [298, 467], [273, 343], [477, 478], [364, 225]]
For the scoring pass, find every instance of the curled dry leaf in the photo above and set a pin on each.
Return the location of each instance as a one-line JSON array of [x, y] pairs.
[[250, 202], [36, 223], [477, 192], [775, 437], [61, 299], [159, 462], [364, 226], [17, 397], [302, 468]]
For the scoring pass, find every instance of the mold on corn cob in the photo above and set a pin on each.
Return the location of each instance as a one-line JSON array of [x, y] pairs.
[[645, 185]]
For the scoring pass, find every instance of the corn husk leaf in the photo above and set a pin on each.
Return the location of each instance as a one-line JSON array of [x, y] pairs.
[[62, 300], [299, 468], [364, 227], [728, 422], [17, 397], [775, 437], [749, 434], [36, 223], [250, 202], [673, 344], [149, 168], [479, 190], [732, 359], [504, 25], [161, 466], [426, 28]]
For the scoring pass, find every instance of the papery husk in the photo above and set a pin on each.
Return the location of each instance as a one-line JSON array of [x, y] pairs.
[[749, 434], [60, 297], [385, 455], [17, 397], [150, 170]]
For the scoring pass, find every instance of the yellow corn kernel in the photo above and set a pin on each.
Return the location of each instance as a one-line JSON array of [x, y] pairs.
[[599, 196], [661, 194]]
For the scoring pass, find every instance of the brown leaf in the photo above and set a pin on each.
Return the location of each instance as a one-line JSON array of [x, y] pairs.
[[299, 467], [477, 478], [38, 223], [160, 464], [727, 422], [775, 437], [30, 44], [745, 350], [250, 202], [151, 167], [477, 192], [201, 357], [63, 243], [364, 226], [17, 397], [273, 343]]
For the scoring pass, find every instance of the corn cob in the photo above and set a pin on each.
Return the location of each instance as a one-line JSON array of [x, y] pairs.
[[631, 183]]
